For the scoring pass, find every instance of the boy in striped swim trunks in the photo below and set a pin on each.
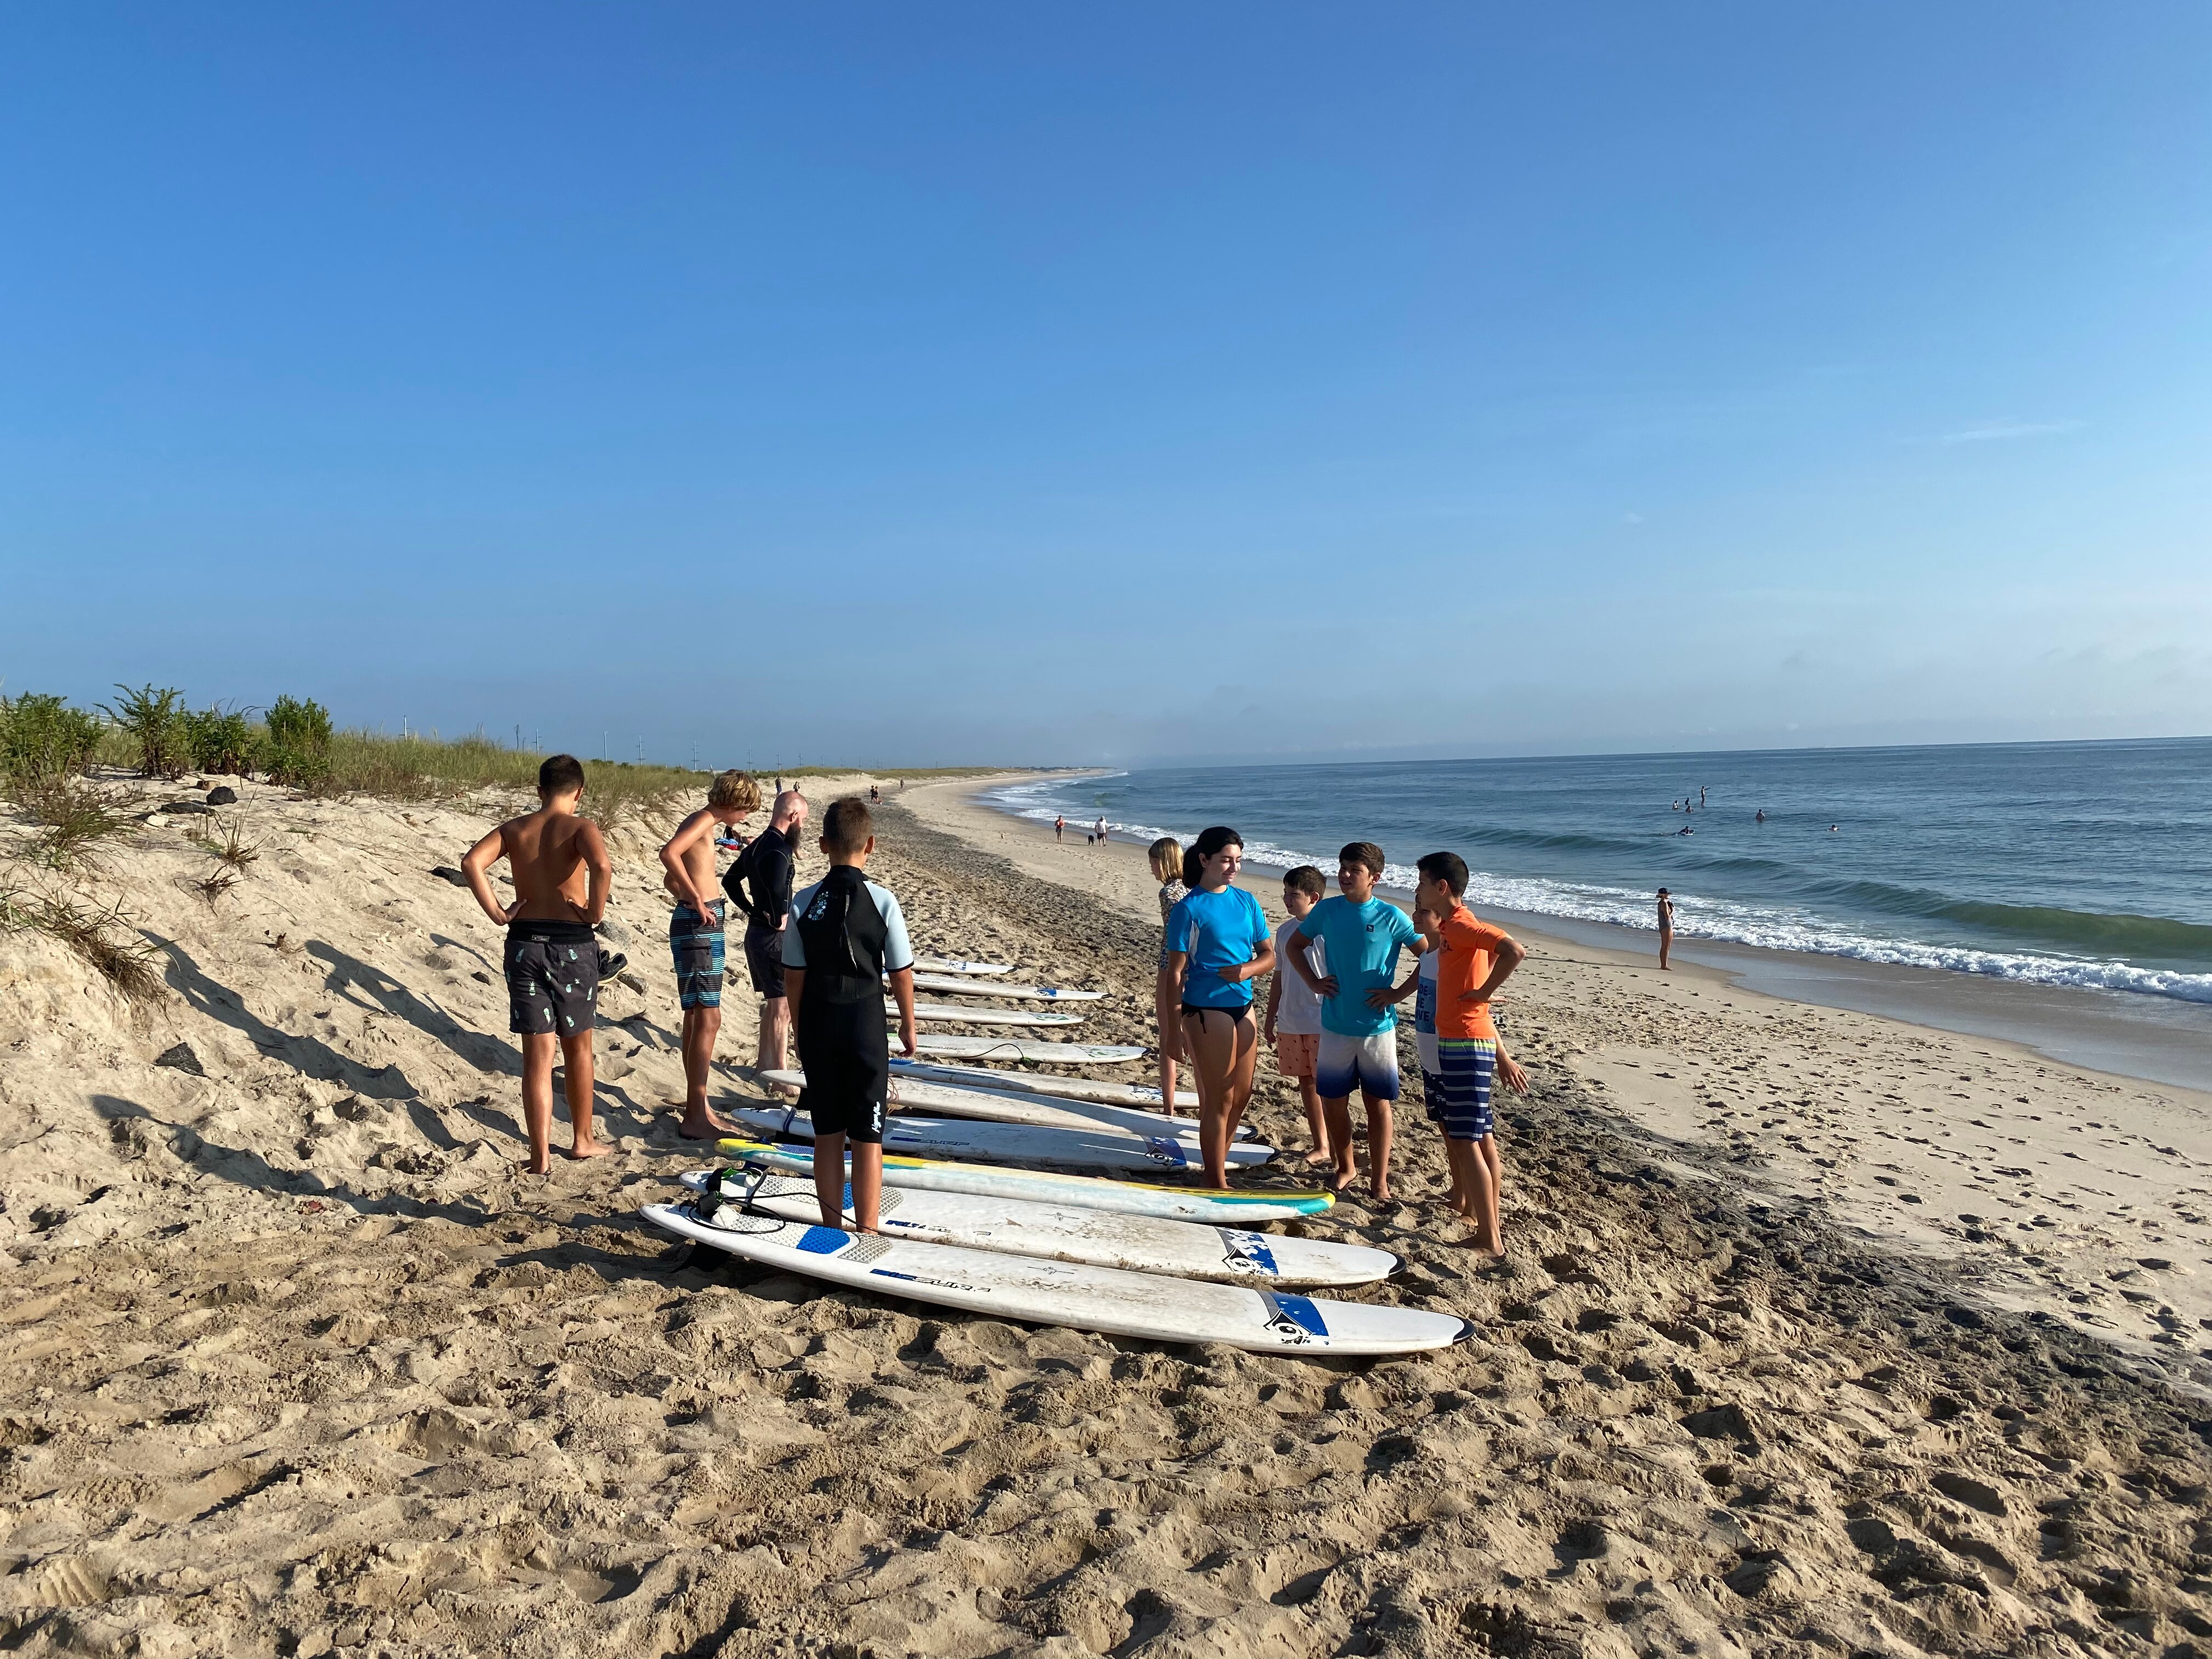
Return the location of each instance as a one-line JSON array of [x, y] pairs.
[[1475, 959], [1421, 986], [695, 941]]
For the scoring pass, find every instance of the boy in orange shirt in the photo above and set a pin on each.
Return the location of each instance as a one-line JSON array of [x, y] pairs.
[[1476, 958]]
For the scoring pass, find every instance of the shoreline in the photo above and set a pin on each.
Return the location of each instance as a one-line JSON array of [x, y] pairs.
[[2045, 1185], [2119, 1034]]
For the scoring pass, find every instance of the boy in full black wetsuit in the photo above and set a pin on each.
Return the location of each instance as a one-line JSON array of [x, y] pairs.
[[846, 933]]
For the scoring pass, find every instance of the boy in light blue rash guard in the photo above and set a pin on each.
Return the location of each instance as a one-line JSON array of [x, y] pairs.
[[1361, 936]]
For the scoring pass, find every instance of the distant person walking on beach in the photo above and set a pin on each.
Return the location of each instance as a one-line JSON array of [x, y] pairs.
[[1060, 828], [1362, 936], [695, 939], [845, 937], [760, 881], [1666, 925], [562, 873], [1217, 944], [1102, 830], [1166, 856], [1293, 1022]]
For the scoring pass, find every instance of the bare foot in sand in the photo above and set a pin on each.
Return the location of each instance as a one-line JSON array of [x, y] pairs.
[[584, 1149], [1382, 1192], [700, 1123], [1318, 1157]]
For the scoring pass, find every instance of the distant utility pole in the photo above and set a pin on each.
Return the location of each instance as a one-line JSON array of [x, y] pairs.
[[518, 734]]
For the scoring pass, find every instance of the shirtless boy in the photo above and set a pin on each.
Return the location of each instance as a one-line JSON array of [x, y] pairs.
[[561, 872], [695, 939]]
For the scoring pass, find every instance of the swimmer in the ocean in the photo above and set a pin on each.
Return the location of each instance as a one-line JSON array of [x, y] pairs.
[[1760, 817]]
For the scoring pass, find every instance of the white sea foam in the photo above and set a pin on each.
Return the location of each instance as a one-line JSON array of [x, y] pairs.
[[1776, 929]]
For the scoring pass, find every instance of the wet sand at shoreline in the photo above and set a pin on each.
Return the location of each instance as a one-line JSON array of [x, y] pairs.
[[297, 1364]]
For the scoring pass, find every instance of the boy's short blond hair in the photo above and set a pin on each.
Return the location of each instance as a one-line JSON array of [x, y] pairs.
[[1167, 860], [733, 789]]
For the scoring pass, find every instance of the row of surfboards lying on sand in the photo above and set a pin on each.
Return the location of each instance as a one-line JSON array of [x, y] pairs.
[[996, 1199], [1051, 1261]]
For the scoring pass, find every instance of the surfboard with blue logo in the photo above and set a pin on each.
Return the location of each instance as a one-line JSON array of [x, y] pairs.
[[1068, 1232], [1111, 1300]]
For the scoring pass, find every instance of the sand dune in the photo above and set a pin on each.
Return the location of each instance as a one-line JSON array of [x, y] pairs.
[[294, 1362]]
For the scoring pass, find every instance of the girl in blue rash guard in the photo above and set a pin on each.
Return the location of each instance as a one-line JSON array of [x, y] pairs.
[[1217, 943]]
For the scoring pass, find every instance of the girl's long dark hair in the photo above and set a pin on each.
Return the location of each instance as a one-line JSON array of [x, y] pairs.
[[1209, 842]]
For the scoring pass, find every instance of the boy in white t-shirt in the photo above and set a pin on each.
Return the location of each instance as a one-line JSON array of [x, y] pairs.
[[1293, 1024]]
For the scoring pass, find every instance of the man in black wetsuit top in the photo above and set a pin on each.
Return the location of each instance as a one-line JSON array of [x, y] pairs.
[[765, 867]]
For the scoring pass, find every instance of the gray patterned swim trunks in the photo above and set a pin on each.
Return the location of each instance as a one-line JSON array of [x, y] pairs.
[[552, 977]]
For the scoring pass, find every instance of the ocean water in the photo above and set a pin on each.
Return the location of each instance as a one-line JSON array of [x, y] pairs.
[[2080, 864]]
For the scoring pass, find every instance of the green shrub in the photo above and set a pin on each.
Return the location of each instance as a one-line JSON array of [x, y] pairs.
[[156, 724], [220, 741], [298, 752], [43, 737]]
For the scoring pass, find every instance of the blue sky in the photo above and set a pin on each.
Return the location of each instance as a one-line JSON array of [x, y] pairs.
[[934, 383]]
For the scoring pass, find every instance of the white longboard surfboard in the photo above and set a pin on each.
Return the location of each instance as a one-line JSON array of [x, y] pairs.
[[991, 987], [1096, 1148], [1066, 1232], [996, 1106], [1230, 1208], [1146, 1306], [953, 1014], [1042, 1082], [945, 965], [1036, 1051]]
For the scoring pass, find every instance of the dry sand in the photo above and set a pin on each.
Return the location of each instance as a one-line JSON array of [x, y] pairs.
[[294, 1361]]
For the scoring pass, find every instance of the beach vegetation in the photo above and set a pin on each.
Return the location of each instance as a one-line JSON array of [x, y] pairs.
[[107, 938], [226, 841], [43, 736], [210, 886], [298, 751], [73, 818], [221, 740], [153, 725]]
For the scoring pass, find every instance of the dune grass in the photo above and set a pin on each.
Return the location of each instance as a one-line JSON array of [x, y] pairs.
[[155, 732], [105, 937], [74, 819]]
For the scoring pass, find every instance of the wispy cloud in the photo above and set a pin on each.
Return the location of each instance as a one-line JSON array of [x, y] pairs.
[[1997, 430], [1632, 517]]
